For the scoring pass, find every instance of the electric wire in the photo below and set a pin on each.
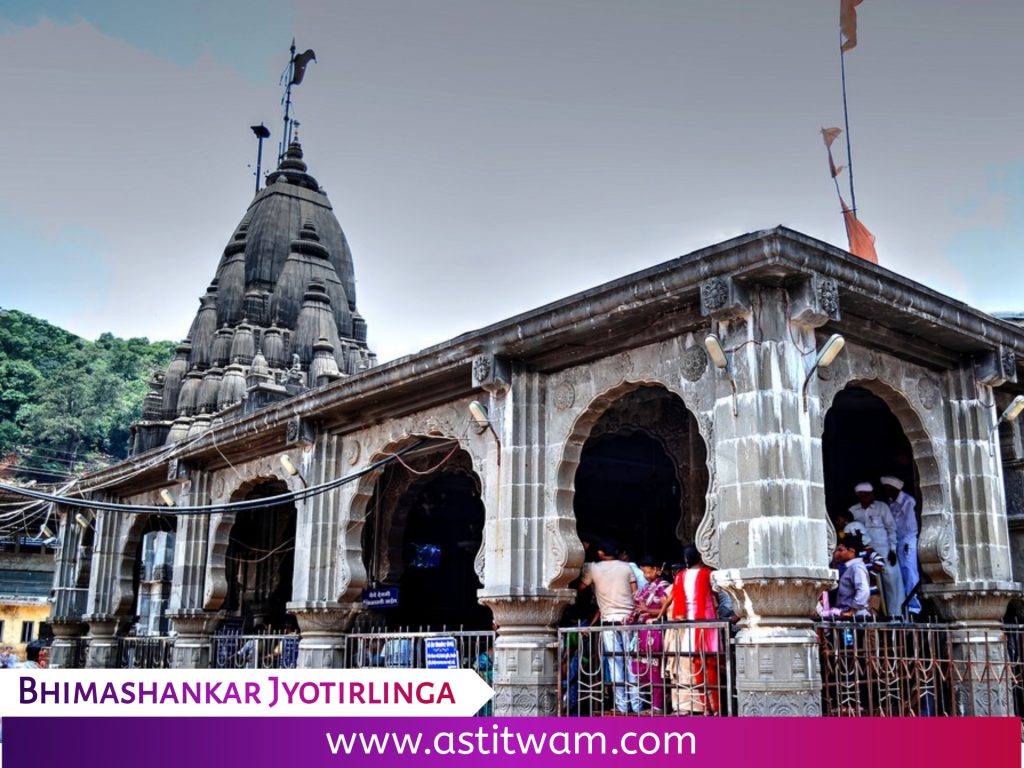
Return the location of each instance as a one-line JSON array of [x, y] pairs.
[[234, 506]]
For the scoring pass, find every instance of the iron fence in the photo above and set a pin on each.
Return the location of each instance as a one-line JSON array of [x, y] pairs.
[[264, 651], [682, 668], [463, 649], [144, 652], [919, 670]]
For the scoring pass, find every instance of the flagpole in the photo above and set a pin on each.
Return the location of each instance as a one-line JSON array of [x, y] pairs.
[[286, 131], [846, 120]]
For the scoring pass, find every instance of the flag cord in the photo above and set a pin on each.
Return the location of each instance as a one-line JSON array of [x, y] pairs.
[[846, 120]]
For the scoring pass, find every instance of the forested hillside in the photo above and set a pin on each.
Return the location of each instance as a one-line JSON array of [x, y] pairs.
[[66, 404]]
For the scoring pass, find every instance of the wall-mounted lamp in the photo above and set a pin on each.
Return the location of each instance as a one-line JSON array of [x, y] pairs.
[[166, 496], [84, 519], [829, 350], [1013, 410], [721, 361], [478, 412], [291, 469]]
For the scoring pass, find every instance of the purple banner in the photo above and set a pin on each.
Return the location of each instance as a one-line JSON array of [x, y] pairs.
[[518, 742]]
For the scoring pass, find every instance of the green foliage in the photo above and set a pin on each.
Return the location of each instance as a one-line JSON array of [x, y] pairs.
[[66, 403]]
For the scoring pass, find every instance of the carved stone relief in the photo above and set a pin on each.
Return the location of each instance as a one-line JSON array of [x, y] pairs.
[[828, 295], [694, 362], [565, 395], [927, 392], [714, 293]]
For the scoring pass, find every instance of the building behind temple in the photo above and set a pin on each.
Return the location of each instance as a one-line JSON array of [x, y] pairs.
[[459, 479]]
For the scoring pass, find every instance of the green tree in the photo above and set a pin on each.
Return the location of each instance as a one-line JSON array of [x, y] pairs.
[[66, 402]]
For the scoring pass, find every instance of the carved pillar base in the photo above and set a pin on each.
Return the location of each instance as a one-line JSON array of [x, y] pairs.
[[192, 645], [981, 668], [778, 671], [526, 653], [103, 631], [67, 639], [322, 629]]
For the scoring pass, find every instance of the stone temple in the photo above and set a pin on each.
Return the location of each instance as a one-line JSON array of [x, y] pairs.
[[600, 414]]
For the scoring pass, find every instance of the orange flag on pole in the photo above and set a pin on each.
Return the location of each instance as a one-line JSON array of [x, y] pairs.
[[862, 242], [829, 135], [848, 23]]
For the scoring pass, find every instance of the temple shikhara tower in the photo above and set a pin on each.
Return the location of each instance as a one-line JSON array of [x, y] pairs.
[[279, 316]]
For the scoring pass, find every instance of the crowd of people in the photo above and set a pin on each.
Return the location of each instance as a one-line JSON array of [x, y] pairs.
[[646, 665], [877, 542]]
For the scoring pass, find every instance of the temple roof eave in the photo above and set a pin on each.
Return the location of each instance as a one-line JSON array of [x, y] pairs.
[[644, 307]]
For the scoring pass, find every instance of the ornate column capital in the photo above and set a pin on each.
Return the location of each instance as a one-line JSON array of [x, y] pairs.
[[321, 619], [779, 595], [524, 613], [973, 602], [322, 626]]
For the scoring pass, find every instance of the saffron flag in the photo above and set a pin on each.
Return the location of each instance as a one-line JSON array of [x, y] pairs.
[[829, 135], [301, 60], [848, 23], [862, 242]]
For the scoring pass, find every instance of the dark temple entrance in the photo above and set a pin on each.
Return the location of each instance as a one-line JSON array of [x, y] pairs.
[[260, 562], [862, 441], [423, 536], [642, 477]]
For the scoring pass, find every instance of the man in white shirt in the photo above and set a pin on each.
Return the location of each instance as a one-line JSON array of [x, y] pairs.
[[614, 587], [904, 514], [877, 520]]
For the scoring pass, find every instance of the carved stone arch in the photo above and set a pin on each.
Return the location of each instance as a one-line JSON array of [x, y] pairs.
[[353, 575], [937, 536], [215, 591], [123, 598], [565, 550]]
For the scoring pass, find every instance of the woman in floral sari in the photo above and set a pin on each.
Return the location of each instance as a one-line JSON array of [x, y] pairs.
[[647, 606]]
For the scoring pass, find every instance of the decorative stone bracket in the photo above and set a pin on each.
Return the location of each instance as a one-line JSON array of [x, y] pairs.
[[997, 367], [723, 298], [492, 373], [299, 431], [815, 301]]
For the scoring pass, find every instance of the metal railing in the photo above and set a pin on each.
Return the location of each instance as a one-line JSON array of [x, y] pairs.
[[919, 670], [683, 668], [463, 649], [408, 650], [144, 652], [265, 651]]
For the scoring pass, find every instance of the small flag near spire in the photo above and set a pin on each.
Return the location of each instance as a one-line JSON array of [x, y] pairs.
[[848, 23], [300, 61], [829, 135], [862, 242]]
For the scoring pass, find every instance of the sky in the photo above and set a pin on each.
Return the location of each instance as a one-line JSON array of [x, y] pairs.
[[486, 156]]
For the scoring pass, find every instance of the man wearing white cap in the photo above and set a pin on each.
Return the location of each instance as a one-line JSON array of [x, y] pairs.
[[904, 514], [877, 519]]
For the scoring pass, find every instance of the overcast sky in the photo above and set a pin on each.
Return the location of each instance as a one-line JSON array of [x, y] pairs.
[[487, 156]]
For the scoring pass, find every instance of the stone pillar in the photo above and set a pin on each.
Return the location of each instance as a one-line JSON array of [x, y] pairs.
[[103, 631], [773, 536], [526, 655], [982, 672], [520, 539], [192, 644], [778, 670], [976, 600], [329, 575], [323, 628], [67, 637]]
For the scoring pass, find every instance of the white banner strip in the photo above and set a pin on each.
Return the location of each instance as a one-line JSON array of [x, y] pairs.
[[241, 693]]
